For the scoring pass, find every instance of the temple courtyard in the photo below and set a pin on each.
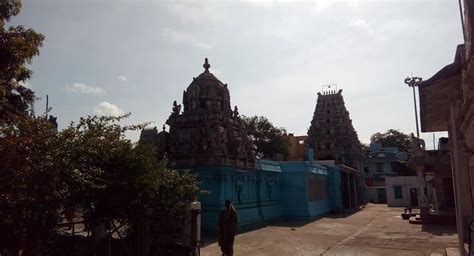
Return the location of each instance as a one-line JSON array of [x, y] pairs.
[[374, 230]]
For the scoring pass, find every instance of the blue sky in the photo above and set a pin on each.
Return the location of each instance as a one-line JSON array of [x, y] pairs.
[[111, 57]]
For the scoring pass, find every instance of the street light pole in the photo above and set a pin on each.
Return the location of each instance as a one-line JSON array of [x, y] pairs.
[[413, 82]]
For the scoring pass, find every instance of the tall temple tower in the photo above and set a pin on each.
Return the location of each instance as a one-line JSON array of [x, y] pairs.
[[331, 134], [208, 132]]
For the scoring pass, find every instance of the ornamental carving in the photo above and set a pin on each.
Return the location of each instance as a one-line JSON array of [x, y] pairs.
[[208, 131]]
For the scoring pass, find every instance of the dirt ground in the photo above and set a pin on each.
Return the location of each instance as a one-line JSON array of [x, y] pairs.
[[374, 230]]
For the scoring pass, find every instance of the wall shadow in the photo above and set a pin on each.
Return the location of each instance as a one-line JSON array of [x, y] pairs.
[[439, 229]]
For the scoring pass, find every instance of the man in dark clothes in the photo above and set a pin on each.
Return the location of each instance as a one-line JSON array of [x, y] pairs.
[[227, 228]]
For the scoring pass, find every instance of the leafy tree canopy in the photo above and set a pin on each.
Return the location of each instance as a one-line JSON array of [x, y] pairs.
[[116, 180], [392, 138], [33, 187], [269, 141], [17, 48], [89, 166]]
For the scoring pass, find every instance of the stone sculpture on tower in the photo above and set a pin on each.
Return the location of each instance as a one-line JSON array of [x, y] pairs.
[[332, 135], [207, 132]]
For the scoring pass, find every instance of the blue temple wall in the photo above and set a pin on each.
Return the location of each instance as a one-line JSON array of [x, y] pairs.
[[304, 189], [334, 188], [272, 191], [255, 193]]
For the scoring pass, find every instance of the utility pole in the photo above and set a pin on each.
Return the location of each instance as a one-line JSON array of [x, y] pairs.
[[47, 106], [413, 82]]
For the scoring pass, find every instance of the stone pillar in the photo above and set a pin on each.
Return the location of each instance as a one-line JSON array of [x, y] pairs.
[[356, 203], [461, 179], [349, 190]]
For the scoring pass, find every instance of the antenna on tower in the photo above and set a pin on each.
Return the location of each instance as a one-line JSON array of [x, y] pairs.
[[48, 108], [329, 89]]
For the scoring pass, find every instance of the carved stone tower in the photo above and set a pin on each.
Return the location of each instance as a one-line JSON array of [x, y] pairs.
[[208, 131], [331, 134]]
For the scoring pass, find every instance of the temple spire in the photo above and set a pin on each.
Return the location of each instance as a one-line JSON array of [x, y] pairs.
[[206, 65]]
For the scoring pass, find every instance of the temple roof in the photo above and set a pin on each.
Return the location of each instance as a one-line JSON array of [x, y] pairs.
[[437, 93], [447, 71], [206, 77], [206, 93]]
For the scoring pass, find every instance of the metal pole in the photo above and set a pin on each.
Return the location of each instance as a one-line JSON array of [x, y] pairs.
[[413, 82], [462, 20], [47, 106], [416, 113]]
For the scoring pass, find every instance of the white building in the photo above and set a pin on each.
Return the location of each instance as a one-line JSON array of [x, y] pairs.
[[402, 191]]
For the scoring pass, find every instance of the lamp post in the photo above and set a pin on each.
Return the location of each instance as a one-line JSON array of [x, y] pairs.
[[413, 82]]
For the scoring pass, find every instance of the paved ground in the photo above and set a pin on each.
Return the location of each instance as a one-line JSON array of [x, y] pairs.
[[375, 230]]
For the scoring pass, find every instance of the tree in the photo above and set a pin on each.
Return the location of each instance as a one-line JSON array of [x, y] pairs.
[[33, 187], [31, 190], [115, 182], [392, 138], [17, 48], [269, 141], [90, 165]]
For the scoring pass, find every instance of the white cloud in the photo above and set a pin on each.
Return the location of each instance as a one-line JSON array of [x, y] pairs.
[[359, 23], [122, 78], [372, 31], [85, 89], [201, 45], [183, 37], [322, 5], [108, 109]]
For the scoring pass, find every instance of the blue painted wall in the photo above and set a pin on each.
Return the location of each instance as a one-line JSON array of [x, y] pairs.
[[334, 186], [255, 194], [295, 200], [272, 191]]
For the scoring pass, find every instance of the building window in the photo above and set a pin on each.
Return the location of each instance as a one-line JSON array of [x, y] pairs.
[[397, 191], [379, 167]]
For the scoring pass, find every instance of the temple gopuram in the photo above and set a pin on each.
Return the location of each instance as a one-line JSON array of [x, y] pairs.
[[331, 134], [334, 139], [208, 137]]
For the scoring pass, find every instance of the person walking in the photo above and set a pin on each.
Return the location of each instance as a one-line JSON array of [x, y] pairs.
[[227, 228]]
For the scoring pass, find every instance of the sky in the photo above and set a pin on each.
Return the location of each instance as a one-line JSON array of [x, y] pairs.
[[137, 56]]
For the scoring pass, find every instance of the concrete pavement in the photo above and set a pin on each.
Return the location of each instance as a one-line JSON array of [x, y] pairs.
[[374, 230]]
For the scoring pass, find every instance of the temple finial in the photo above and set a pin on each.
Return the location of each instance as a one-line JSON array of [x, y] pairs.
[[206, 65]]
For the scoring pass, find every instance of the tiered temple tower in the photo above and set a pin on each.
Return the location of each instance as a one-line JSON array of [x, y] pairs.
[[331, 134], [208, 132]]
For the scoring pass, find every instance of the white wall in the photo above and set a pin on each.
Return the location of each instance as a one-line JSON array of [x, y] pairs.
[[406, 182]]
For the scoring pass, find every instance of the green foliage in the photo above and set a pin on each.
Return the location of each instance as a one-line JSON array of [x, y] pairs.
[[269, 141], [32, 187], [116, 181], [89, 166], [17, 48], [392, 138], [9, 8]]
